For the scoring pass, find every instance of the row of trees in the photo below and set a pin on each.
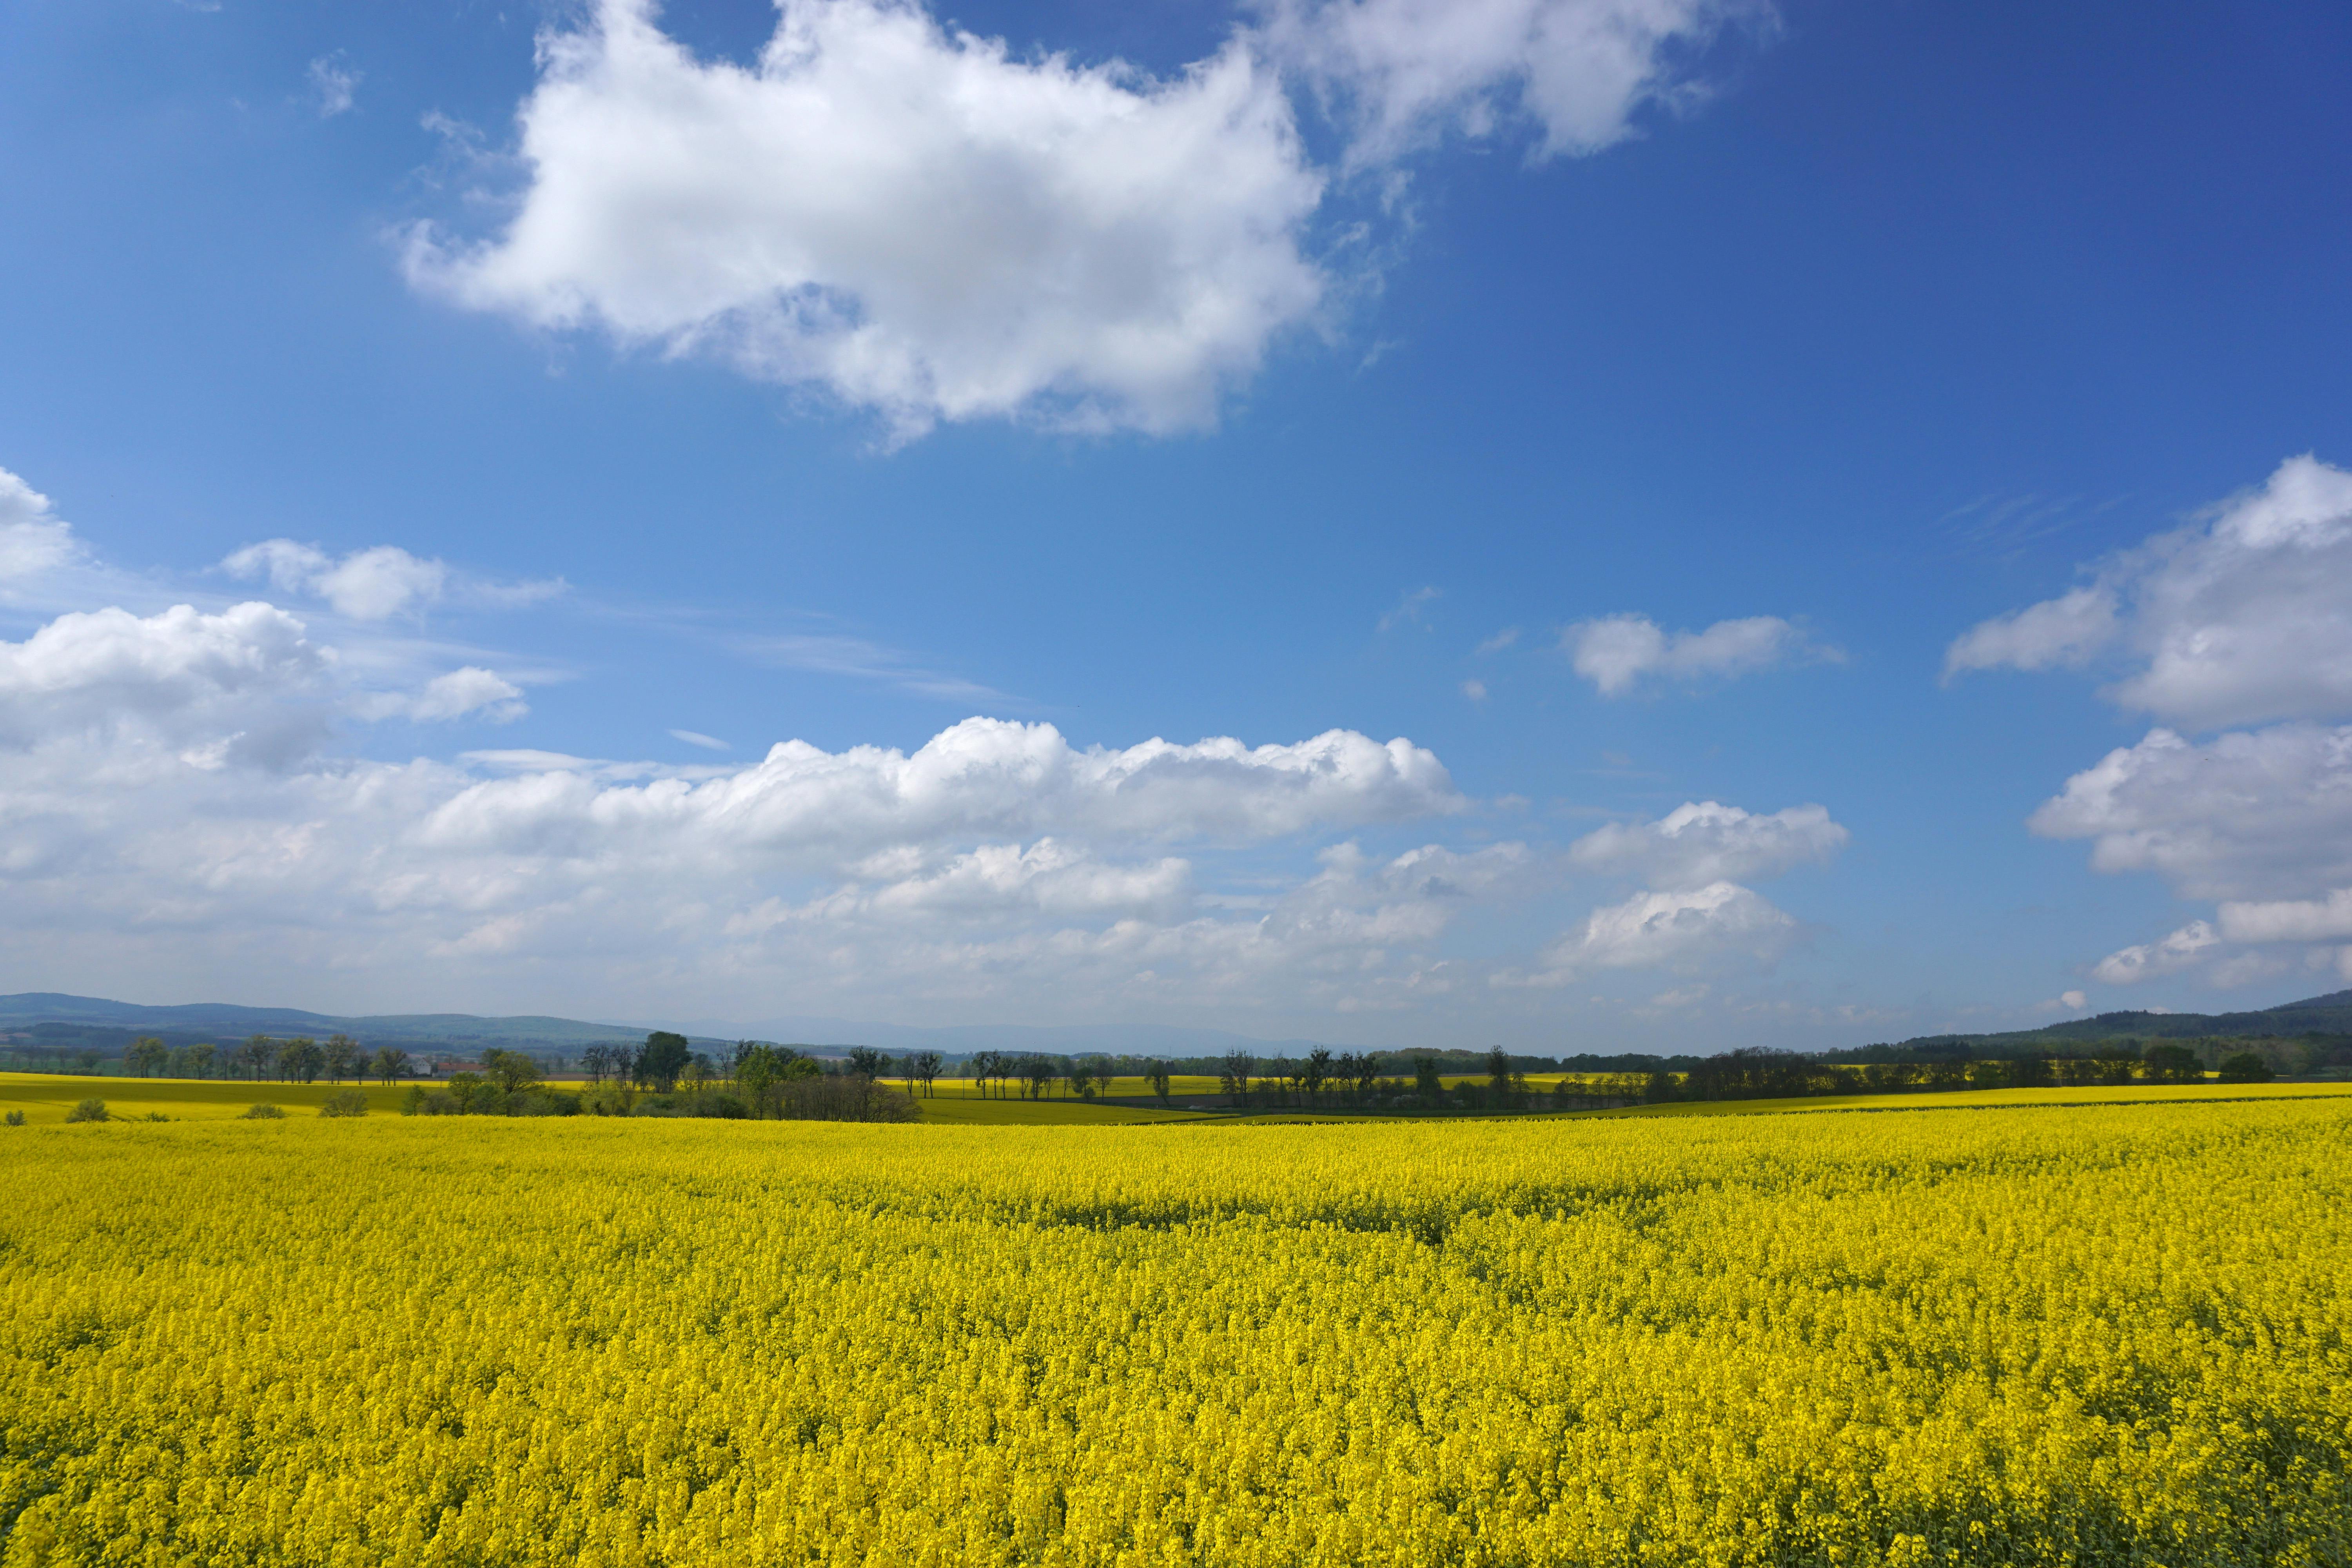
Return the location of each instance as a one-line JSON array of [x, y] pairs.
[[297, 1059], [658, 1063], [1764, 1074], [1368, 1080], [757, 1079]]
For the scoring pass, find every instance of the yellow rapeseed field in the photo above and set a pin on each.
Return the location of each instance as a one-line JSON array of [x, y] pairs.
[[2084, 1336]]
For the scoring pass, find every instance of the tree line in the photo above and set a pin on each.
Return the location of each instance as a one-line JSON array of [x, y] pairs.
[[297, 1060], [666, 1076]]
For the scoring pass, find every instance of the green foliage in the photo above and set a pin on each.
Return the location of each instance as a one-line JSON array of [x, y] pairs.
[[263, 1113], [16, 1119], [1427, 1082], [299, 1060], [345, 1102], [88, 1111], [511, 1070], [663, 1057], [2172, 1064], [2246, 1068], [606, 1099]]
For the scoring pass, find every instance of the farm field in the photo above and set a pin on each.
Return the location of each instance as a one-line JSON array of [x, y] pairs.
[[2114, 1334], [47, 1096]]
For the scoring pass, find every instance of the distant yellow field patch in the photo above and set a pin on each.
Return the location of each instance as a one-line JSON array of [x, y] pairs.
[[47, 1096]]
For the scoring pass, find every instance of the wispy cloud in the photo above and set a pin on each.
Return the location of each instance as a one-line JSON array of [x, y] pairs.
[[1617, 652], [1409, 608], [333, 85], [863, 660], [696, 738], [2002, 528], [1498, 642]]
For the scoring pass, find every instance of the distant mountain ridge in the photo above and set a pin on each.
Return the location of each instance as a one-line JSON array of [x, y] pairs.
[[2328, 1015], [450, 1031], [102, 1022]]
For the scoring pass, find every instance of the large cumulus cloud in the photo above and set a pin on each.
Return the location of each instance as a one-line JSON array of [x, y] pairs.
[[928, 225]]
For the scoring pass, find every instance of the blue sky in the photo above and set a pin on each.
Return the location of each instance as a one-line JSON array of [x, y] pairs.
[[543, 412]]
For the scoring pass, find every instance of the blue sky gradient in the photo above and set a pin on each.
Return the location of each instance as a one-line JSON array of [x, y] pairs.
[[1880, 321]]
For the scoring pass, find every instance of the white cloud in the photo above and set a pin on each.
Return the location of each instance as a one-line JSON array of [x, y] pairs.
[[245, 682], [1474, 690], [1403, 73], [982, 777], [1048, 876], [367, 585], [2259, 820], [1703, 842], [178, 798], [469, 692], [922, 223], [2067, 631], [1616, 652], [1498, 642], [2246, 944], [995, 861], [33, 539], [2185, 948], [915, 221], [2290, 919], [1686, 929], [332, 85], [2264, 813], [696, 738], [2064, 1002], [2237, 620], [377, 584]]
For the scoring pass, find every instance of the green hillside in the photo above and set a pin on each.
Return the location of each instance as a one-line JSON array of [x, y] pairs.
[[2326, 1015]]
